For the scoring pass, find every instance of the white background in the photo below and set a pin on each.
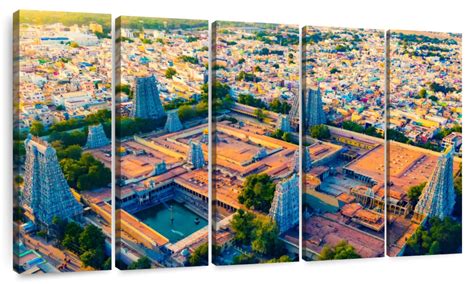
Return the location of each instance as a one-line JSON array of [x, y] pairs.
[[445, 16]]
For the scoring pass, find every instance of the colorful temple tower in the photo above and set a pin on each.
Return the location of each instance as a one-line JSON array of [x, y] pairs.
[[285, 205], [46, 193], [96, 137], [314, 112], [173, 124], [147, 102], [438, 196], [283, 123], [195, 156]]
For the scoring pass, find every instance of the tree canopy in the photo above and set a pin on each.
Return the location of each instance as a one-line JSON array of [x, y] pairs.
[[257, 192], [435, 237], [414, 193], [258, 233], [85, 173], [343, 250], [141, 263], [88, 242], [320, 132], [199, 256]]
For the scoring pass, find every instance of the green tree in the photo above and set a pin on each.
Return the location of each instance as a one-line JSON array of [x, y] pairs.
[[414, 193], [435, 237], [186, 112], [142, 263], [352, 126], [201, 109], [258, 233], [343, 250], [59, 227], [216, 250], [107, 265], [279, 106], [37, 128], [265, 235], [228, 102], [260, 114], [199, 256], [250, 100], [396, 135], [245, 258], [94, 258], [91, 237], [283, 258], [241, 223], [334, 70], [170, 72], [320, 131], [86, 173], [18, 213], [372, 131], [422, 93], [71, 237], [257, 192], [72, 152], [189, 59], [18, 179], [126, 89]]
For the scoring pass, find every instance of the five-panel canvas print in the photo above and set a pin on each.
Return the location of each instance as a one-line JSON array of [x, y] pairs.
[[319, 143]]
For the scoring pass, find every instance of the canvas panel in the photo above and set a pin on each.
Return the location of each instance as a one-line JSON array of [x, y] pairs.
[[162, 142], [62, 149]]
